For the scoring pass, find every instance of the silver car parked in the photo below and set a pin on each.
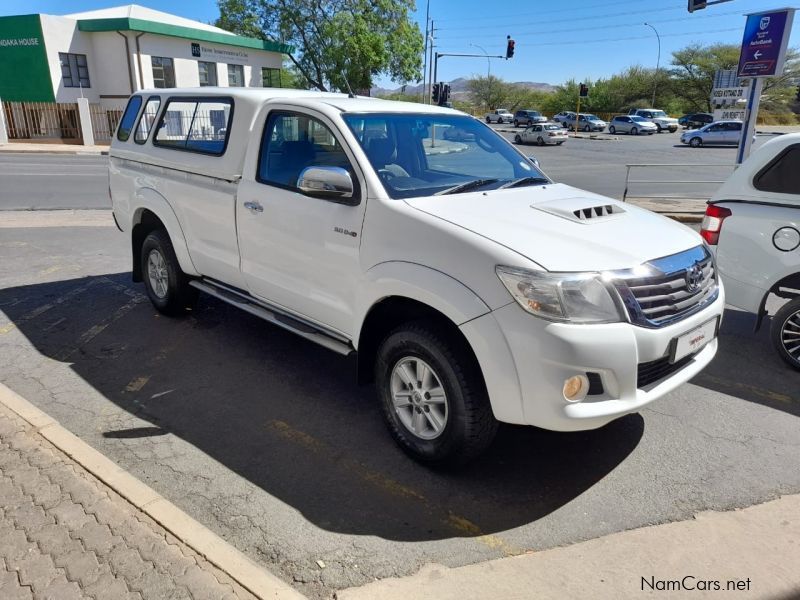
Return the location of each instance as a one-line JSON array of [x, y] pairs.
[[631, 124]]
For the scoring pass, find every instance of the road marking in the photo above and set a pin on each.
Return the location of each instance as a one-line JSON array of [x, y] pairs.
[[96, 330], [137, 384], [390, 486], [45, 307], [746, 387]]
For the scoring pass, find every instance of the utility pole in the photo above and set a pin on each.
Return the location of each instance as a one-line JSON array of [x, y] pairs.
[[430, 64], [658, 62], [425, 52]]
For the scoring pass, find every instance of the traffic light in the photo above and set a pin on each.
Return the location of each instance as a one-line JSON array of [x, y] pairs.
[[437, 89], [509, 47], [444, 94], [584, 91], [697, 5]]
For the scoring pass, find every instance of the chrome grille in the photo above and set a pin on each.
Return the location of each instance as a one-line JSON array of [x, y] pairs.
[[668, 289]]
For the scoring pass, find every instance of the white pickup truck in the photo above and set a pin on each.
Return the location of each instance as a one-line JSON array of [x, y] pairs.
[[657, 117], [472, 287], [753, 223]]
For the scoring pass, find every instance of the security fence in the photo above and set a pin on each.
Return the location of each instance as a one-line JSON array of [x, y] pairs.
[[104, 121], [43, 122]]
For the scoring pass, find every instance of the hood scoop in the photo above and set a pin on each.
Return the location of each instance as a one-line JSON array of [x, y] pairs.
[[581, 210]]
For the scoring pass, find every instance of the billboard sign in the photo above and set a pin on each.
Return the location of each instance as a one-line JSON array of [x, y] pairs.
[[766, 36]]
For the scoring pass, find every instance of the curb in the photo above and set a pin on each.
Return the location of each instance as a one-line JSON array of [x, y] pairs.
[[213, 548], [67, 152]]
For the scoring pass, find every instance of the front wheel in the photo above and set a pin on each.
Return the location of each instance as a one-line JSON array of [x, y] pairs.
[[634, 131], [695, 142], [517, 139], [167, 286], [540, 141], [433, 396], [587, 129], [612, 130], [785, 333], [488, 120], [658, 128], [516, 123]]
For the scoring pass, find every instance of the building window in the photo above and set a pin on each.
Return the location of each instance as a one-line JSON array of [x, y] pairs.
[[235, 75], [271, 77], [163, 72], [208, 73], [74, 70]]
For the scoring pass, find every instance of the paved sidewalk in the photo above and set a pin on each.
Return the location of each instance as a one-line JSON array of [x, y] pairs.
[[65, 535], [32, 148]]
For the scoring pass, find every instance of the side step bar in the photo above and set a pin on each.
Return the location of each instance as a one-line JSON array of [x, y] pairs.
[[304, 329]]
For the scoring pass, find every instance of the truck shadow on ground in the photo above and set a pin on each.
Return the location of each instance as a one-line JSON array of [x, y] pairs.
[[288, 416]]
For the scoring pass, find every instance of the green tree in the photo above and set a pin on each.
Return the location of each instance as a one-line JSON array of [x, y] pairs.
[[337, 41], [694, 71], [490, 92]]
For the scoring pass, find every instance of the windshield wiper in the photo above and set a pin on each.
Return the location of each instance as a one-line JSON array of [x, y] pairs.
[[466, 186], [529, 180]]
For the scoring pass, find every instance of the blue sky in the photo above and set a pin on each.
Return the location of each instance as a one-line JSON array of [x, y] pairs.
[[556, 40]]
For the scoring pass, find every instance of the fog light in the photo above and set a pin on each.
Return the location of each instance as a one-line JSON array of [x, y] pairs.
[[576, 388]]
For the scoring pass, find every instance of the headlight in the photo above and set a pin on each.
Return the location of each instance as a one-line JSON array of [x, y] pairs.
[[567, 297]]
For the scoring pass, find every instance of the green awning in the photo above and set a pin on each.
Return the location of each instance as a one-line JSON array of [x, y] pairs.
[[189, 33]]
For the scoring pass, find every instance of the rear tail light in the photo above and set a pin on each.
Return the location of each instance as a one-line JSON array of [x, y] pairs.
[[712, 223]]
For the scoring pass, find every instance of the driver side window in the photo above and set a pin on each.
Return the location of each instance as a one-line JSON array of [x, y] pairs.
[[290, 143]]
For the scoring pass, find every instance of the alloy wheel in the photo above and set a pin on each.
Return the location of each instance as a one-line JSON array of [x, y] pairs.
[[157, 273], [419, 398]]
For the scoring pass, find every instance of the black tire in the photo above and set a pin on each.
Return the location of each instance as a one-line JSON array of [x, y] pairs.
[[559, 143], [784, 329], [634, 131], [696, 142], [612, 130], [517, 139], [540, 141], [658, 128], [488, 120], [516, 123], [587, 129], [470, 426], [179, 295]]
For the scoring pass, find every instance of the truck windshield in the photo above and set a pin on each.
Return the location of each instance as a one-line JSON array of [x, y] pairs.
[[658, 113], [425, 154]]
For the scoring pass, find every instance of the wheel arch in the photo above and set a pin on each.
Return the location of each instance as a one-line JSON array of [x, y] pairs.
[[791, 281], [392, 299], [152, 211]]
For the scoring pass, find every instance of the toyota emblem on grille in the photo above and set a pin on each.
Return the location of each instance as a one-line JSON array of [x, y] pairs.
[[694, 277]]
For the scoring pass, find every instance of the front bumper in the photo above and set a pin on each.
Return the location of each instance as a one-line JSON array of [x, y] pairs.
[[525, 361]]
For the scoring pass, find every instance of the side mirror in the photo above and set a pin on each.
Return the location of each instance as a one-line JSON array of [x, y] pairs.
[[326, 182], [534, 160]]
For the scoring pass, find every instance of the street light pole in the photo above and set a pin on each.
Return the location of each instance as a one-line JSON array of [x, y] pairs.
[[658, 61], [488, 60]]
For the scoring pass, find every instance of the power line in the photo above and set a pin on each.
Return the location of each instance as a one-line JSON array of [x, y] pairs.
[[552, 12], [639, 37], [557, 31]]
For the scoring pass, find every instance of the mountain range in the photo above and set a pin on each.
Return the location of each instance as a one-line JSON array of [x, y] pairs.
[[458, 88]]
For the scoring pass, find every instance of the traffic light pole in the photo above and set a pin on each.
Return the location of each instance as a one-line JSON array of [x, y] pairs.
[[438, 55]]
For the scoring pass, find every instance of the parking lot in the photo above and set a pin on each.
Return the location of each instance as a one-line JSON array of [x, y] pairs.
[[267, 439]]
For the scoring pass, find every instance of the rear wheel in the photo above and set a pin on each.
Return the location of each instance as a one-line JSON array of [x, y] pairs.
[[488, 120], [587, 128], [695, 142], [658, 128], [612, 130], [634, 131], [433, 396], [540, 141], [167, 286], [517, 139], [785, 333], [516, 123]]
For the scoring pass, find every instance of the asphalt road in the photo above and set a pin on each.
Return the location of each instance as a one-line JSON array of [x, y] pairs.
[[266, 438], [42, 181], [50, 181]]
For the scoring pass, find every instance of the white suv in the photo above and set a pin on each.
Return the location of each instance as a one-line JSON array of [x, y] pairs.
[[472, 287], [753, 221]]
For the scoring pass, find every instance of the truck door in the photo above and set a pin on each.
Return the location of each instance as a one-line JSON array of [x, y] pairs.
[[297, 251]]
